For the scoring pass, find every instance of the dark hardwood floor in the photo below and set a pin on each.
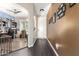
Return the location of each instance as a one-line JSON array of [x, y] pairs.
[[41, 48]]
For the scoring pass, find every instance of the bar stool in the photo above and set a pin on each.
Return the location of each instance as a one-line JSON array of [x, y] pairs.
[[6, 44]]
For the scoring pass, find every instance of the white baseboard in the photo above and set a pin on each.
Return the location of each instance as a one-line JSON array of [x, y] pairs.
[[53, 48]]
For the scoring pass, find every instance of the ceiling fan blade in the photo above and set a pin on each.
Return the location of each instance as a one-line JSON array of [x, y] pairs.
[[14, 11], [17, 12], [10, 10]]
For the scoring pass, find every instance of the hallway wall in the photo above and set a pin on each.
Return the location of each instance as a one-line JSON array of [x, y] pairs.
[[31, 33], [64, 34], [42, 32]]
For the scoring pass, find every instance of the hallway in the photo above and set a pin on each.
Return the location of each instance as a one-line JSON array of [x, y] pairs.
[[41, 48]]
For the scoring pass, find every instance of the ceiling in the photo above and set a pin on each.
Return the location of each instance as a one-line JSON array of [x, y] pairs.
[[11, 6], [24, 12], [44, 6], [36, 7]]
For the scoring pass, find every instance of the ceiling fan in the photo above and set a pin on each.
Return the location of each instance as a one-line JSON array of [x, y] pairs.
[[15, 11]]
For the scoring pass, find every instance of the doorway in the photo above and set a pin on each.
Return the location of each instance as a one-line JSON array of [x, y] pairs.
[[21, 37], [13, 35]]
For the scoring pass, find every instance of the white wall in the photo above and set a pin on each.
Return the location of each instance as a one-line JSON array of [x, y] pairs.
[[31, 32], [42, 30]]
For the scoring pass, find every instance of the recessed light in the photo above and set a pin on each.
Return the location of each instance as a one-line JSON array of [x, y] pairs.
[[41, 9]]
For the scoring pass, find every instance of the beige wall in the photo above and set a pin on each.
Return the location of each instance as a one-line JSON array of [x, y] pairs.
[[53, 8], [64, 34]]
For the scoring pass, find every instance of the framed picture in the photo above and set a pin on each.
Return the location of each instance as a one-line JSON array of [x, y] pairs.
[[71, 4], [51, 19], [57, 16], [61, 11], [62, 6], [61, 15], [54, 18]]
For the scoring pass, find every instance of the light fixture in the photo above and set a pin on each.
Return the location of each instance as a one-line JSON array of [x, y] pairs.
[[15, 11], [41, 9]]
